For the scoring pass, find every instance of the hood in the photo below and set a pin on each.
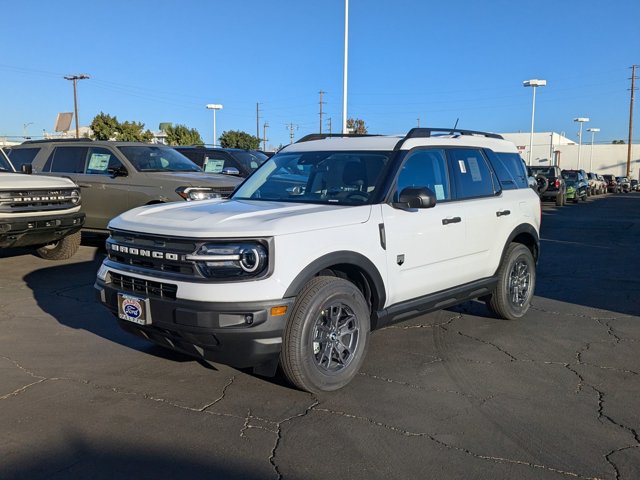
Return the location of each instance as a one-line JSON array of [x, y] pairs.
[[197, 179], [13, 181], [237, 218]]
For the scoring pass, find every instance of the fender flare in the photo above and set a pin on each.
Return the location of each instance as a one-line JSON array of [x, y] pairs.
[[344, 257], [527, 229]]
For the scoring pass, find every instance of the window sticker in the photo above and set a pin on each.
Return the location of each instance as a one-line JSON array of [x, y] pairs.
[[475, 169], [99, 162], [439, 192], [214, 166], [463, 168]]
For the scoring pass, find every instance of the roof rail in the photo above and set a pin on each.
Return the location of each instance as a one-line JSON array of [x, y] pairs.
[[428, 132], [59, 140], [322, 136]]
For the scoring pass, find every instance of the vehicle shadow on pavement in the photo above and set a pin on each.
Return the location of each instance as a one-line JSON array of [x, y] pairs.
[[65, 291]]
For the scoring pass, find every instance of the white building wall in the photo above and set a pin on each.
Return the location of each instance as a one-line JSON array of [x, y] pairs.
[[606, 158]]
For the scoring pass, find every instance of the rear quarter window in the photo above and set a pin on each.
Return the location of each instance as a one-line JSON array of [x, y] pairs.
[[509, 168]]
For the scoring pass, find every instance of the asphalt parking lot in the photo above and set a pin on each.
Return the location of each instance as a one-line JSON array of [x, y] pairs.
[[456, 394]]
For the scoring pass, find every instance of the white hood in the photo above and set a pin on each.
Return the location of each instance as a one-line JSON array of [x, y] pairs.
[[19, 181], [237, 218]]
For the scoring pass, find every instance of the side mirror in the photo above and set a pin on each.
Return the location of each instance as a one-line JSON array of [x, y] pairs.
[[416, 197], [26, 168], [118, 171], [230, 171]]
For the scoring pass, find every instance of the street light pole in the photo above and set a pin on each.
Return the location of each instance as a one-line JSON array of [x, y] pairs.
[[346, 62], [534, 83], [75, 79], [214, 107], [593, 134], [580, 120]]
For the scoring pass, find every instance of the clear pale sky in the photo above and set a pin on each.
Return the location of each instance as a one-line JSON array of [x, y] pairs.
[[162, 61]]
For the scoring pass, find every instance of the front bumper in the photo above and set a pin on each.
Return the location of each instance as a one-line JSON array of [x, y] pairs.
[[242, 335], [27, 231]]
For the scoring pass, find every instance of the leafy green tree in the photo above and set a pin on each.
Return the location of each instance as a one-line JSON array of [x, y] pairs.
[[104, 127], [181, 135], [356, 125], [239, 139], [133, 132], [618, 142]]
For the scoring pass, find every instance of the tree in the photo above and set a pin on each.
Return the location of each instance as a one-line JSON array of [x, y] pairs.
[[618, 142], [181, 135], [104, 127], [132, 132], [356, 125], [238, 139]]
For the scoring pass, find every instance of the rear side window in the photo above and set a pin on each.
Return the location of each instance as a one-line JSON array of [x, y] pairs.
[[471, 174], [101, 160], [509, 168], [66, 160], [21, 156]]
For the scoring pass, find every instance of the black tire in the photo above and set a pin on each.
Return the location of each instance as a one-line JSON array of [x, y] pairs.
[[312, 339], [584, 198], [512, 295], [559, 198], [62, 249], [542, 183], [576, 198]]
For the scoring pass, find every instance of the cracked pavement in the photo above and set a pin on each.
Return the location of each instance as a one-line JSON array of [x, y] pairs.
[[455, 394]]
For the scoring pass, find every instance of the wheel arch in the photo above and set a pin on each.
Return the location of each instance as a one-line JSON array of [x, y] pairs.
[[349, 265], [526, 235]]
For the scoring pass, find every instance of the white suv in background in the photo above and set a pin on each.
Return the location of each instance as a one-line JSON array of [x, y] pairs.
[[331, 238]]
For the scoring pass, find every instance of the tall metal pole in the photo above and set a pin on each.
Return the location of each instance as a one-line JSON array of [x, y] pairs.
[[215, 138], [346, 62], [533, 114], [264, 136], [321, 102], [633, 88], [257, 120], [593, 136], [75, 79], [580, 145]]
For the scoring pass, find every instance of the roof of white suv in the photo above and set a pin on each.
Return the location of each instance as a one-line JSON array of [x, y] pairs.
[[417, 137]]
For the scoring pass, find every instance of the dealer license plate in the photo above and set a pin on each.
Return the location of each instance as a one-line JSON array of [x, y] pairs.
[[133, 309]]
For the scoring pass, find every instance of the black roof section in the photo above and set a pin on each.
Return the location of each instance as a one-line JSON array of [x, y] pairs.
[[55, 140], [322, 136], [433, 132]]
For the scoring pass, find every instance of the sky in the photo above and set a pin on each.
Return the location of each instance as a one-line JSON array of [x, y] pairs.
[[439, 62]]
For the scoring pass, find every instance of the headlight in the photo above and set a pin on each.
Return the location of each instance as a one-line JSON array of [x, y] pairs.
[[224, 260], [75, 197], [197, 193]]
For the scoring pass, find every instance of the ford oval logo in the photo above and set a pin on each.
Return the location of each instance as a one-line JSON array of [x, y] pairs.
[[131, 310]]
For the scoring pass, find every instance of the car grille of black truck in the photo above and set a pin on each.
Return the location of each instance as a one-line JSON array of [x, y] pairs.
[[140, 286], [36, 200]]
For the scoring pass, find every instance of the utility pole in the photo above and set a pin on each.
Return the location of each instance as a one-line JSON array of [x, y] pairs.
[[291, 127], [633, 88], [257, 120], [264, 136], [321, 102], [329, 125], [75, 79], [418, 122]]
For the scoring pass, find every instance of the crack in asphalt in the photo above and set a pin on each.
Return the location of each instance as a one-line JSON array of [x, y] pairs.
[[432, 438], [512, 358], [579, 315]]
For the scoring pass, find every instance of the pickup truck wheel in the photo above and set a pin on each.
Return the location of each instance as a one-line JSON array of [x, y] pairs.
[[559, 198], [62, 249], [326, 337], [512, 295]]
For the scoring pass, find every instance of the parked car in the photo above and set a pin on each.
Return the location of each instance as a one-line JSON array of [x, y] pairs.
[[228, 161], [581, 184], [38, 211], [602, 184], [634, 185], [117, 176], [572, 191], [612, 183], [555, 189], [624, 183], [595, 187]]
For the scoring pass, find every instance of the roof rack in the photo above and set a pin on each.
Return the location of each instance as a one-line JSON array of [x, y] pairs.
[[59, 140], [428, 132], [322, 136]]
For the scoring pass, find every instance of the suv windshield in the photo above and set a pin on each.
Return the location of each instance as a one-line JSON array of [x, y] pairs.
[[158, 159], [343, 178]]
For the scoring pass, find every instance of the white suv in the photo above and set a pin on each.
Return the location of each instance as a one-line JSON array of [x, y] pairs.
[[331, 238]]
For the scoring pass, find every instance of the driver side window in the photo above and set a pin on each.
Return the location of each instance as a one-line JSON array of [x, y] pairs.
[[425, 168]]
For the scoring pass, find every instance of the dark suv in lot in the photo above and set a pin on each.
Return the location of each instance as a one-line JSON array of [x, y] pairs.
[[556, 189], [228, 161], [117, 176], [612, 183]]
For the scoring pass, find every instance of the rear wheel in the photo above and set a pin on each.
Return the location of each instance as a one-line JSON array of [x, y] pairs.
[[559, 199], [511, 298], [325, 340], [62, 249]]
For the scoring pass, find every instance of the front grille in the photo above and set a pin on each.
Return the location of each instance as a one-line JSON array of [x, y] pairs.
[[143, 287], [36, 200]]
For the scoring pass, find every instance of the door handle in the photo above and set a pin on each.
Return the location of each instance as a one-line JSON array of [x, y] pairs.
[[503, 213], [447, 221]]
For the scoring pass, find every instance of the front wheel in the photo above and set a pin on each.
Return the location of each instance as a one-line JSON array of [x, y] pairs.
[[325, 340], [511, 298], [62, 249]]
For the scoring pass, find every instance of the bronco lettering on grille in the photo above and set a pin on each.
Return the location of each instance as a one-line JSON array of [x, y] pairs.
[[141, 252]]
